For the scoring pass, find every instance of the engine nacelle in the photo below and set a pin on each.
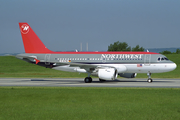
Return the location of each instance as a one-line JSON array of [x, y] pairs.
[[107, 74], [128, 75]]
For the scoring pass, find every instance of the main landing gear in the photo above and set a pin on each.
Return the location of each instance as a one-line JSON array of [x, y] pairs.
[[149, 77], [88, 80]]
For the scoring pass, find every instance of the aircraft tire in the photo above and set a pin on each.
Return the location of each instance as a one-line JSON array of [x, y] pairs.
[[150, 80], [88, 80]]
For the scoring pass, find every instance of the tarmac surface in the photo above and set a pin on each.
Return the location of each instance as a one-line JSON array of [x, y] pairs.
[[79, 82]]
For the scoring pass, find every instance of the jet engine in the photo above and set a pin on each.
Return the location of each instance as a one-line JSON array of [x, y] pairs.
[[107, 74], [128, 75]]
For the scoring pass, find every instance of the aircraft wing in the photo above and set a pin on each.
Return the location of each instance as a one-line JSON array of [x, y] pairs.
[[88, 67]]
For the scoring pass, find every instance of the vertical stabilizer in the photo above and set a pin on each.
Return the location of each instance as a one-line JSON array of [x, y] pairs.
[[32, 43]]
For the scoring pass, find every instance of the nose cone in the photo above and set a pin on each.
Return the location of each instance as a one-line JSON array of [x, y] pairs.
[[172, 66]]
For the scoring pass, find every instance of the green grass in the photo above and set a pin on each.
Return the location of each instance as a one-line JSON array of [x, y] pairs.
[[53, 103], [13, 67]]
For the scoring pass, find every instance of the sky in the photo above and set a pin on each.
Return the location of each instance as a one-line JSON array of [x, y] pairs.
[[63, 25]]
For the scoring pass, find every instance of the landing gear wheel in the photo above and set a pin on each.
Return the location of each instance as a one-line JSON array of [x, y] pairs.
[[149, 77], [149, 80], [101, 80], [88, 80]]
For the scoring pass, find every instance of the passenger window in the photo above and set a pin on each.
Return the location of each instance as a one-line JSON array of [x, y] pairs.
[[159, 59], [162, 58]]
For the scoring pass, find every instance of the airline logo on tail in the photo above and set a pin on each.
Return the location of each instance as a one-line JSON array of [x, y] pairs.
[[24, 29]]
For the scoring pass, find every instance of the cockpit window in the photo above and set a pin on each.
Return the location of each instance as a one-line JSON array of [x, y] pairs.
[[162, 58], [166, 58]]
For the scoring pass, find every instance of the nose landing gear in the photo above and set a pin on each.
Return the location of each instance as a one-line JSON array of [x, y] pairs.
[[149, 77]]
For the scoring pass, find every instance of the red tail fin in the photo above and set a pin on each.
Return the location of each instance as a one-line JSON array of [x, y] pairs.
[[32, 43]]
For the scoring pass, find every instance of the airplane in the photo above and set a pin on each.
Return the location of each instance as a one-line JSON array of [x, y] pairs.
[[104, 65]]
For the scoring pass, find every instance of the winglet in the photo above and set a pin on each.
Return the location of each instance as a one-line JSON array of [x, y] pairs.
[[32, 43]]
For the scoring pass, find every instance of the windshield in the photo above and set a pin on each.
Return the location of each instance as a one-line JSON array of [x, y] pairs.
[[162, 58]]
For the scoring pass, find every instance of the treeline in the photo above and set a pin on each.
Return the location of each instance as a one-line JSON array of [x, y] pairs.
[[123, 46], [169, 52]]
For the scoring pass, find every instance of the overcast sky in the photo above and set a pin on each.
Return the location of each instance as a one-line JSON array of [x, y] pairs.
[[63, 24]]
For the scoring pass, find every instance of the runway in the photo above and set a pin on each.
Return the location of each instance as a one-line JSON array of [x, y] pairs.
[[79, 82]]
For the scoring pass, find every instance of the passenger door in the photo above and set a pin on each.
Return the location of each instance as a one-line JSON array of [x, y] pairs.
[[147, 59]]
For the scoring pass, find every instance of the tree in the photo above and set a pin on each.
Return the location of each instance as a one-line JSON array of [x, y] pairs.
[[177, 51], [119, 46], [165, 52], [138, 48]]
